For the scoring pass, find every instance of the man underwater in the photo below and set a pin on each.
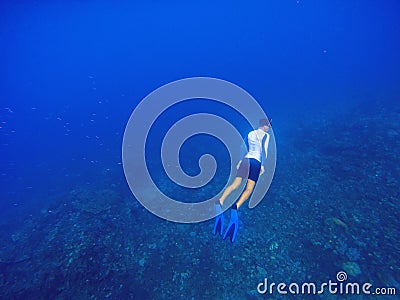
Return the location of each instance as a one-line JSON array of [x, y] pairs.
[[251, 168]]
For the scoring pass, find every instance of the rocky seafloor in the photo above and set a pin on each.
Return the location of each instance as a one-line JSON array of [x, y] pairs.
[[333, 206]]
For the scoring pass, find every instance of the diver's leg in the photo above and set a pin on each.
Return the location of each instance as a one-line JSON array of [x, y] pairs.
[[233, 225], [234, 185], [246, 193]]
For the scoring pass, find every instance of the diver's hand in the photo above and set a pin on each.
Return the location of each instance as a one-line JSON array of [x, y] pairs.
[[238, 165], [262, 170]]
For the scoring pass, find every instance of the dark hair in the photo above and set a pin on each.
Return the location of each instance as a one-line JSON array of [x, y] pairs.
[[265, 122]]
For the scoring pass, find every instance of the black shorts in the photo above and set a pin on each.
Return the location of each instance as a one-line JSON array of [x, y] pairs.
[[250, 167]]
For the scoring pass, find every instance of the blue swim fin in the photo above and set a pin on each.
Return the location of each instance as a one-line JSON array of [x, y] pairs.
[[233, 226], [219, 220]]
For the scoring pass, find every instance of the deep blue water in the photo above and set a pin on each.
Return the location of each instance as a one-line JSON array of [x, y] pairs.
[[72, 72]]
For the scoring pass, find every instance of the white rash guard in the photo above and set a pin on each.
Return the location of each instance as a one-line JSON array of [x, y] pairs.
[[254, 139]]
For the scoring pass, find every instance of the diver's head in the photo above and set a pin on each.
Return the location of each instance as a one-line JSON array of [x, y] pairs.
[[265, 124]]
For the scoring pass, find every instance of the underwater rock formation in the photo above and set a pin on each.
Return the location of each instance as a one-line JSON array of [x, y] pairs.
[[352, 268]]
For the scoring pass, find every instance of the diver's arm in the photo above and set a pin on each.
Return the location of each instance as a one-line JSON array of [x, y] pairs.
[[266, 145], [264, 157]]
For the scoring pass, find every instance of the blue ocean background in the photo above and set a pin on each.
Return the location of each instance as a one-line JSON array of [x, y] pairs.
[[72, 72]]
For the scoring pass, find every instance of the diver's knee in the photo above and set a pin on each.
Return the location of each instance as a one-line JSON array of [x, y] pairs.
[[249, 190], [235, 186]]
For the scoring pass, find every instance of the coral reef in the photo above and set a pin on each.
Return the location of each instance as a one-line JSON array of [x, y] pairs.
[[333, 205]]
